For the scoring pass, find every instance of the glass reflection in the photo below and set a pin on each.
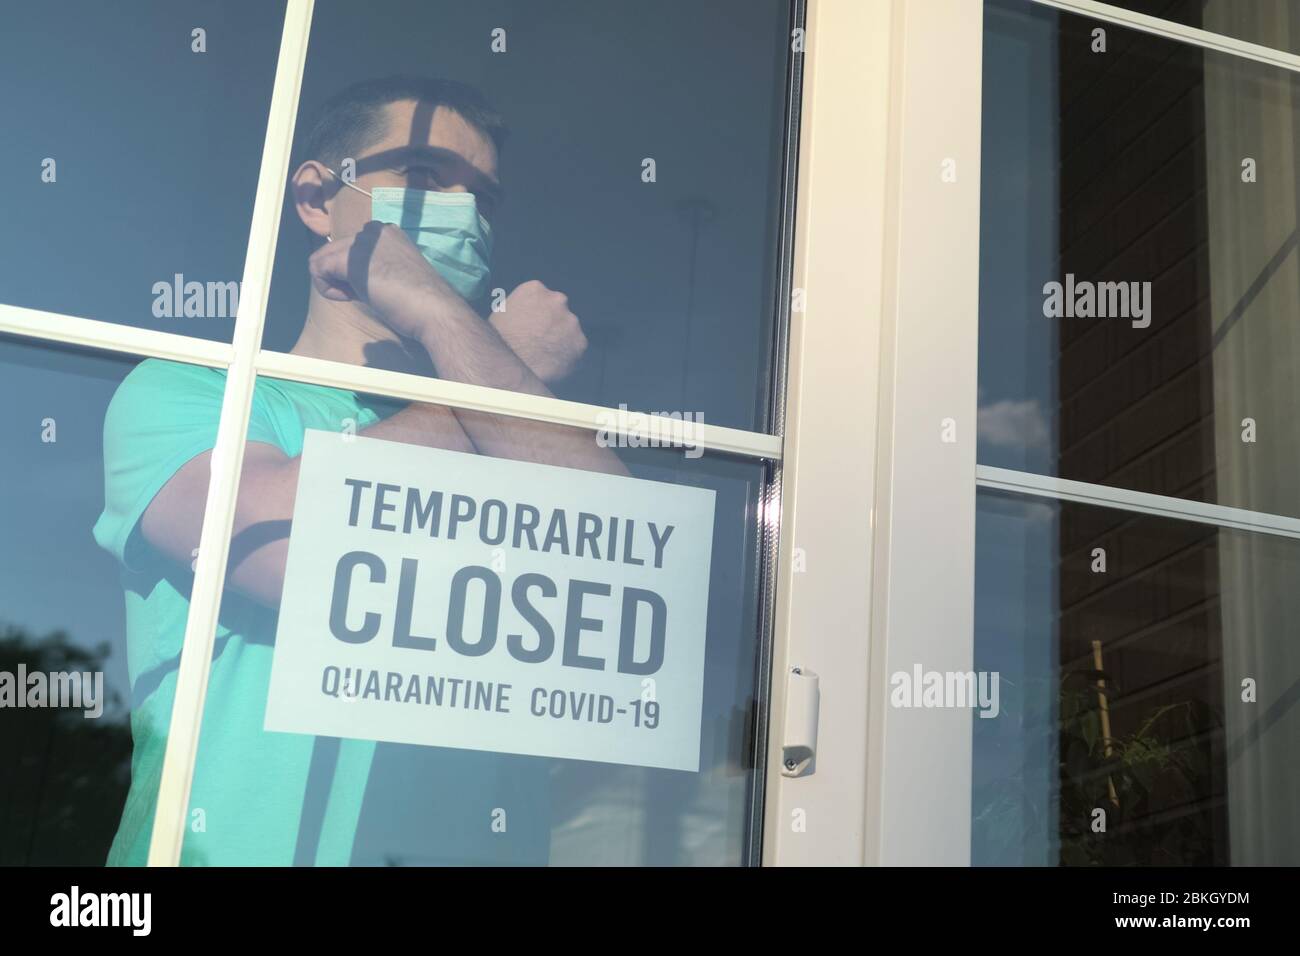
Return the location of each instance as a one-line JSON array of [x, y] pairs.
[[66, 685], [1145, 675], [134, 139], [1139, 263]]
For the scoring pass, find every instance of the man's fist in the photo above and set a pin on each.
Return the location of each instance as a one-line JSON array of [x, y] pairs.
[[537, 325], [381, 268]]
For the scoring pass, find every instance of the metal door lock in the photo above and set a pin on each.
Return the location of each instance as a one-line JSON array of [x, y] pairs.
[[799, 741]]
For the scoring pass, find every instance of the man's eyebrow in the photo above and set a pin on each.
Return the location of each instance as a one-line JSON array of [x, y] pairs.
[[443, 157]]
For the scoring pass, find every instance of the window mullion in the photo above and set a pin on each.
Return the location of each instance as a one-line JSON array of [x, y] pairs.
[[92, 333], [227, 455], [1143, 502], [495, 401], [1206, 39], [41, 326]]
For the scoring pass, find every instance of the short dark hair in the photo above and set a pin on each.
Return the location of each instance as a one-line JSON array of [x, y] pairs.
[[352, 119]]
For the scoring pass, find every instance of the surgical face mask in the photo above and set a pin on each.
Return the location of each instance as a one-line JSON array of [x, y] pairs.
[[445, 227]]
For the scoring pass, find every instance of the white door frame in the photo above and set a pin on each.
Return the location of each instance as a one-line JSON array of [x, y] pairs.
[[877, 563]]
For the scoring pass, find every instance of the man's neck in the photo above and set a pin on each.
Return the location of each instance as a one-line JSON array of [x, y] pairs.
[[343, 332]]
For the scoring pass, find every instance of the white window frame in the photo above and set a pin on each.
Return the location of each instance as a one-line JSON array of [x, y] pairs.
[[879, 514], [244, 361]]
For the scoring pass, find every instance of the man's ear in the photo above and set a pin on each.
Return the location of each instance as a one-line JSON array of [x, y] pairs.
[[314, 188]]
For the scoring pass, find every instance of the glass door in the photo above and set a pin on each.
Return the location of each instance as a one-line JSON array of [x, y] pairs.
[[526, 261]]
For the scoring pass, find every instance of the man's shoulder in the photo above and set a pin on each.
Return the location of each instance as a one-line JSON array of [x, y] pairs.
[[161, 394], [159, 391], [155, 379]]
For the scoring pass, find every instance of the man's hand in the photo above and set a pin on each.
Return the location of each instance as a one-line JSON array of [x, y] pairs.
[[540, 329], [381, 268]]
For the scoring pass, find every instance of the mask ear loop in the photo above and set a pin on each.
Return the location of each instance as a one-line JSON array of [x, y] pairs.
[[330, 237]]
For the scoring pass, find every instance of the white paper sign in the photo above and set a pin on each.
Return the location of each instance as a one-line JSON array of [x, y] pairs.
[[434, 597]]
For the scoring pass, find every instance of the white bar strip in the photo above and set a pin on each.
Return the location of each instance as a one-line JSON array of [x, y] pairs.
[[1177, 31], [418, 388], [1164, 506], [227, 455], [111, 337]]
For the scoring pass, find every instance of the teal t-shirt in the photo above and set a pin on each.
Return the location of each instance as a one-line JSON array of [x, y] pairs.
[[250, 786]]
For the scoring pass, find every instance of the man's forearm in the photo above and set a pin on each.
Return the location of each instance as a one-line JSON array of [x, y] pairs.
[[464, 348], [265, 505], [433, 426], [268, 489]]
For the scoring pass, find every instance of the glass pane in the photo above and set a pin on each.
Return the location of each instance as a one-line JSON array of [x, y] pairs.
[[132, 148], [1145, 673], [1139, 263], [1272, 23], [600, 603], [641, 178], [91, 619]]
